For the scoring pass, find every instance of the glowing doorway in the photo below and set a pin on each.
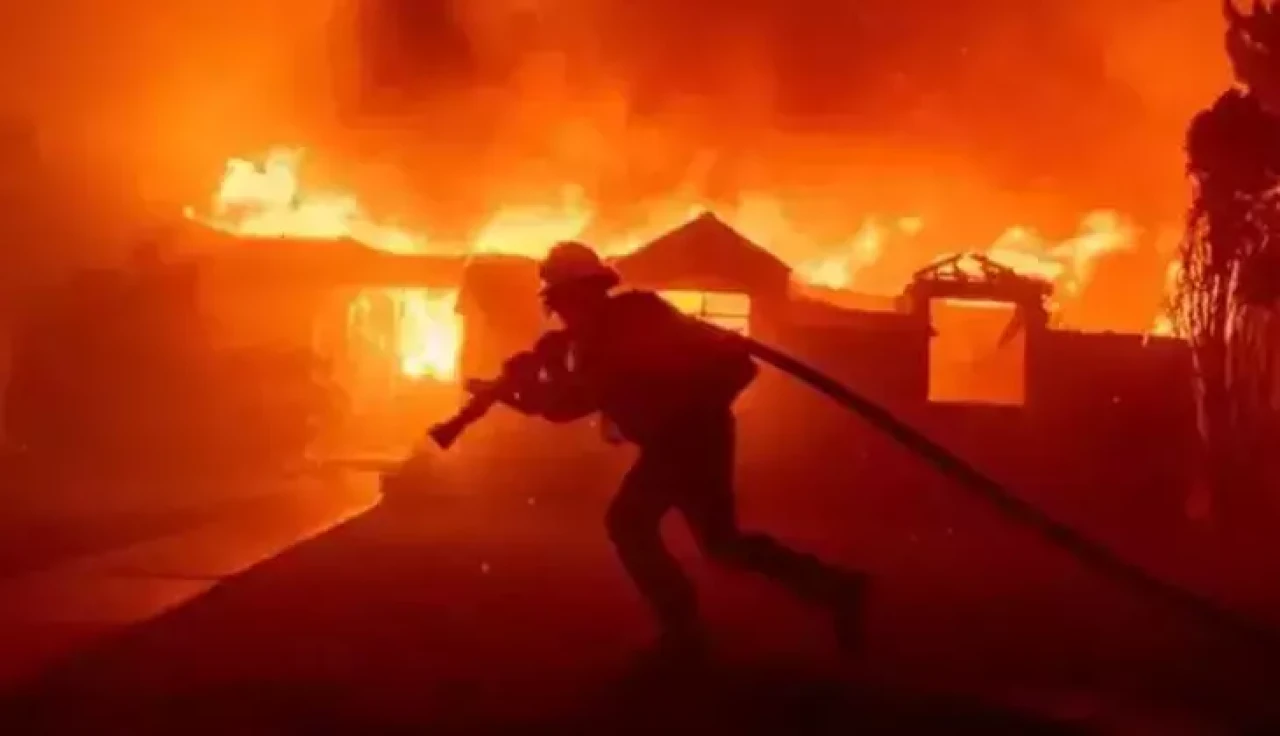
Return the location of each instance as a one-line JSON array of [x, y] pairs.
[[977, 354]]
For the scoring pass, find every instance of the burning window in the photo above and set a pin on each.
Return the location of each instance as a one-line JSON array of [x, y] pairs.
[[977, 354], [413, 330], [729, 310]]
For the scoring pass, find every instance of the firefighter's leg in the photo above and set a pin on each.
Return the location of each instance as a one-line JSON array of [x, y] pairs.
[[712, 521], [633, 522], [707, 503]]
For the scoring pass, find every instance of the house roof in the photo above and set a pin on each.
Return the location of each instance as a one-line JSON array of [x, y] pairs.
[[324, 261], [975, 276], [705, 253]]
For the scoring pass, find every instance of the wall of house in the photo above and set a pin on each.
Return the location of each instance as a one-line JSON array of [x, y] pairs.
[[1117, 416], [1107, 431], [1107, 428]]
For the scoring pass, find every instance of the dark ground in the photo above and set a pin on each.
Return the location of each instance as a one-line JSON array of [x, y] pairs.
[[33, 541], [485, 609], [54, 513]]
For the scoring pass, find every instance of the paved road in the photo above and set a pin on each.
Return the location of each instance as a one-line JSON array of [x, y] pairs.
[[56, 609], [473, 611]]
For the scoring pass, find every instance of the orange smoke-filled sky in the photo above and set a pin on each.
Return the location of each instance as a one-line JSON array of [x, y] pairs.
[[1030, 109], [982, 110]]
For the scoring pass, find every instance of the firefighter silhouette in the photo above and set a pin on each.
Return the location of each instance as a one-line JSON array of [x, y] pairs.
[[667, 383]]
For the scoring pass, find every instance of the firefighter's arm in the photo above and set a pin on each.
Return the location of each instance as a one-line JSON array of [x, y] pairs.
[[519, 372], [503, 394], [560, 401], [569, 410], [562, 394]]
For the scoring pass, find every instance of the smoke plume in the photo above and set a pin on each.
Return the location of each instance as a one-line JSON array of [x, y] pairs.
[[1033, 110]]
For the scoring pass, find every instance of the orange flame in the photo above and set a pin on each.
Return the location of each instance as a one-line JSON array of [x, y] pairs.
[[1068, 264], [840, 269], [430, 334], [1165, 325], [417, 327], [268, 199]]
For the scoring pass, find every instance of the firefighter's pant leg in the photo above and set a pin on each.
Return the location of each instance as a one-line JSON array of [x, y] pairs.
[[712, 521], [634, 525], [705, 497]]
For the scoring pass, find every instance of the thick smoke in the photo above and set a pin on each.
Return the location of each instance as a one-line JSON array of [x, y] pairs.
[[968, 110], [116, 113], [1035, 110]]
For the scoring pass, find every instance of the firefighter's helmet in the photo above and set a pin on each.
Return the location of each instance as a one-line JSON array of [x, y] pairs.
[[571, 262]]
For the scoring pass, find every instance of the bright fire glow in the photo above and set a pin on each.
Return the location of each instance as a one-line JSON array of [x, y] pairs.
[[418, 328], [430, 334], [268, 199], [840, 269], [1164, 325]]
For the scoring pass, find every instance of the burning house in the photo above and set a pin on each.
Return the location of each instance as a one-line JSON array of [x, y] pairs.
[[968, 349], [385, 325], [708, 269]]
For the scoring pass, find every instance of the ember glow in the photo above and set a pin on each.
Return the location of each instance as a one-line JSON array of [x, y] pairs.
[[267, 198]]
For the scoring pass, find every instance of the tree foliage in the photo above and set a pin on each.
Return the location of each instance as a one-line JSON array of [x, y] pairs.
[[1229, 291]]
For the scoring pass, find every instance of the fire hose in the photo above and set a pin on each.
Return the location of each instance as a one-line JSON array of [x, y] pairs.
[[1089, 552]]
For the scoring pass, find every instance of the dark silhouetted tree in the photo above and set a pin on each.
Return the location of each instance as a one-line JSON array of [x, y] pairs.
[[1228, 301]]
